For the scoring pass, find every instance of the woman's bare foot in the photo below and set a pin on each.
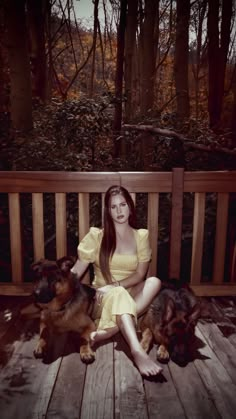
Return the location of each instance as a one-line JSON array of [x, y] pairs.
[[145, 364]]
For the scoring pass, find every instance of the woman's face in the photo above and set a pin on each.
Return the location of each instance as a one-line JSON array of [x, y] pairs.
[[119, 209]]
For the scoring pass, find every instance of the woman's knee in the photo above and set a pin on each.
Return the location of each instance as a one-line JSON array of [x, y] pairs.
[[154, 283]]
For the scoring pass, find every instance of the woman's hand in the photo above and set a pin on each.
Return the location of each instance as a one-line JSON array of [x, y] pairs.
[[103, 291]]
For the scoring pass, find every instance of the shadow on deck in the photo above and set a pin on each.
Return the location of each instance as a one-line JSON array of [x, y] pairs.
[[63, 387]]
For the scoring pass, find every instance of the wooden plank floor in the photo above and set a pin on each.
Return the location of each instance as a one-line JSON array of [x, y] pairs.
[[63, 387]]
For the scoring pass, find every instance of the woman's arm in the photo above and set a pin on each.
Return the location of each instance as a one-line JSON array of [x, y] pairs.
[[79, 268], [130, 281], [136, 277]]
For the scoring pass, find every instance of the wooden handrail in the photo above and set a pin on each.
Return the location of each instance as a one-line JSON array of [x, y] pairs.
[[92, 182], [175, 183]]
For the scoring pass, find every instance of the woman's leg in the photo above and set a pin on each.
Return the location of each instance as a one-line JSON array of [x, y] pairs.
[[144, 363], [144, 293]]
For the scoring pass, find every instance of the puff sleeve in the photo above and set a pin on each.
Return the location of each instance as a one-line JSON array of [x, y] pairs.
[[143, 247], [89, 246]]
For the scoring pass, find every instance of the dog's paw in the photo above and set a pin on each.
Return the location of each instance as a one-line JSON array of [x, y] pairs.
[[162, 354], [87, 355], [40, 349], [38, 352]]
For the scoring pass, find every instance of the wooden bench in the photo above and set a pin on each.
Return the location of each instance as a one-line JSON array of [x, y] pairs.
[[176, 183]]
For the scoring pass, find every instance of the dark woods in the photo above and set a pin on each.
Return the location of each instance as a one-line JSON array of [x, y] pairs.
[[143, 85], [165, 63]]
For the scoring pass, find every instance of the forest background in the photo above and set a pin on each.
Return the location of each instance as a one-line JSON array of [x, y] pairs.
[[150, 85], [155, 80]]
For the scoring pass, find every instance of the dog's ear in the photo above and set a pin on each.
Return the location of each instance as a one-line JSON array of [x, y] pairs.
[[37, 266], [169, 310], [42, 264], [195, 314], [66, 263]]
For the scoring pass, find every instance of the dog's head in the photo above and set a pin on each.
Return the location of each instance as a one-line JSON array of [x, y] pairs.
[[52, 278], [179, 326]]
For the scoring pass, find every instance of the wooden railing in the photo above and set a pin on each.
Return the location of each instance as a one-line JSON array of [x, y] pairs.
[[176, 183]]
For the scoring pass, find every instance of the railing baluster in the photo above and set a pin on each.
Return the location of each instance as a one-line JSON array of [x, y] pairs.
[[176, 223], [83, 214], [61, 238], [15, 238], [84, 223], [38, 225], [198, 234], [220, 238], [153, 214], [103, 204]]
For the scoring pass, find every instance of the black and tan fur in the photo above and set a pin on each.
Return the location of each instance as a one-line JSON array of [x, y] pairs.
[[170, 322], [63, 305]]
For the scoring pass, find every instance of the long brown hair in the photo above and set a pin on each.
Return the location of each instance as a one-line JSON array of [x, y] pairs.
[[108, 244]]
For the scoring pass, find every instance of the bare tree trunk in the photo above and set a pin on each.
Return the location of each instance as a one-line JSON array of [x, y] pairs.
[[21, 95], [227, 6], [95, 31], [233, 124], [3, 95], [48, 27], [130, 49], [182, 58], [148, 55], [119, 74], [1, 83], [218, 47], [136, 78], [36, 13], [213, 54], [197, 67]]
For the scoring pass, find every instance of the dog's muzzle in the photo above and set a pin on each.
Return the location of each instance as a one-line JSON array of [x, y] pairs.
[[43, 292]]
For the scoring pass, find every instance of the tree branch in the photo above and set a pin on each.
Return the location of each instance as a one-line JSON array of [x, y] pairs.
[[186, 141]]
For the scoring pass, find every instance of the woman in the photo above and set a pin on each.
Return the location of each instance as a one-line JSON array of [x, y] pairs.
[[120, 254]]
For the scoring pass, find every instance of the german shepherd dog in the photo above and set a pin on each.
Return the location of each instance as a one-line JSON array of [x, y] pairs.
[[170, 322], [63, 305]]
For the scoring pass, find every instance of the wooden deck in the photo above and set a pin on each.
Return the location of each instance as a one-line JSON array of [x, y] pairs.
[[63, 387]]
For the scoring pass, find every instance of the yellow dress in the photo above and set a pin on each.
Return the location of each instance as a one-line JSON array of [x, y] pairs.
[[117, 301]]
